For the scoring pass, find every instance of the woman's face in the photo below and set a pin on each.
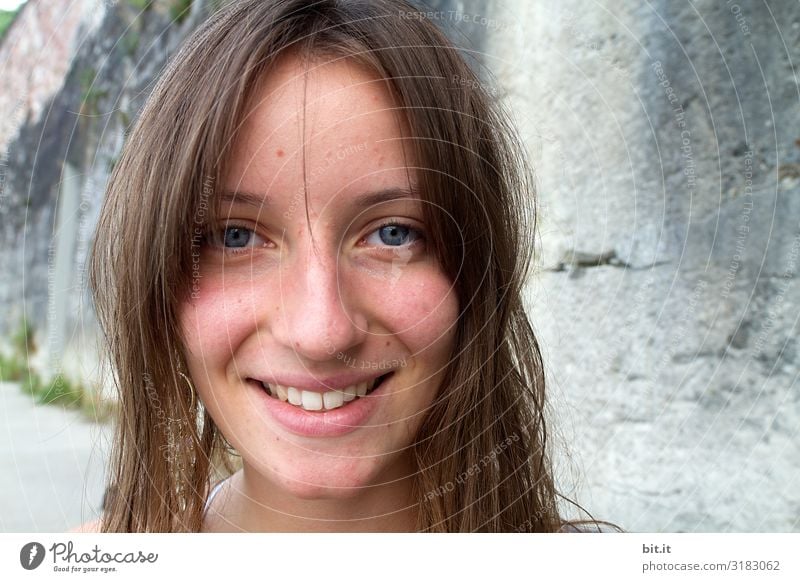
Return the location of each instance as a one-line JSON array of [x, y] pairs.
[[316, 286]]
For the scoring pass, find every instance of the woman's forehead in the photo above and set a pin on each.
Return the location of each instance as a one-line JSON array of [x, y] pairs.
[[321, 125], [300, 102]]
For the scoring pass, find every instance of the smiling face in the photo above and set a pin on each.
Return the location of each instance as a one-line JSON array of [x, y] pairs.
[[320, 324]]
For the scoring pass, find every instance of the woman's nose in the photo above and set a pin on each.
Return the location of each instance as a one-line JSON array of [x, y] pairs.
[[316, 316]]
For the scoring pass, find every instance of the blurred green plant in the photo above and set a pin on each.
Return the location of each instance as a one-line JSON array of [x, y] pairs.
[[140, 4], [130, 42], [6, 18], [11, 369], [91, 93], [14, 366], [63, 392], [179, 9], [60, 391], [22, 339]]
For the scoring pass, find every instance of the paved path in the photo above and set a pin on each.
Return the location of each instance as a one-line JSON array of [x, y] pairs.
[[52, 465]]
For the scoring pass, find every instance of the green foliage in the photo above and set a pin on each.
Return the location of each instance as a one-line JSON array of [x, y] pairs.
[[22, 340], [140, 4], [90, 91], [6, 18], [32, 384], [60, 391], [14, 366], [11, 368], [86, 79], [130, 42], [179, 9]]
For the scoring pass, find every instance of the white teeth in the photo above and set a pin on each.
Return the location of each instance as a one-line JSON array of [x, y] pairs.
[[294, 396], [311, 400], [283, 392], [332, 399], [361, 389], [314, 401]]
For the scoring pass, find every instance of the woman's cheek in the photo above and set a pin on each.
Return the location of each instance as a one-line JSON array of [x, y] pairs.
[[420, 306], [218, 317]]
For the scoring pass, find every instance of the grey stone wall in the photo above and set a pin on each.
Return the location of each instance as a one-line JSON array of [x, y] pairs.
[[666, 141], [75, 82]]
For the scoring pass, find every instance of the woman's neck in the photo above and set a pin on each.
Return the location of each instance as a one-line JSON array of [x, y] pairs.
[[248, 501]]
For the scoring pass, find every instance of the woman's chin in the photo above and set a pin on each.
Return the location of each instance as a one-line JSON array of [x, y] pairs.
[[327, 480]]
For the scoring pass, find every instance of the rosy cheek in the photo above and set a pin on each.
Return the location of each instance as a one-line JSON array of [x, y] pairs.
[[421, 309], [217, 318]]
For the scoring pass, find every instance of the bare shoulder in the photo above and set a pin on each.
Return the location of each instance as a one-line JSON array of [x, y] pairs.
[[94, 526]]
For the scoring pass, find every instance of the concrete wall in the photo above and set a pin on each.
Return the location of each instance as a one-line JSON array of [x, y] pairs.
[[666, 144]]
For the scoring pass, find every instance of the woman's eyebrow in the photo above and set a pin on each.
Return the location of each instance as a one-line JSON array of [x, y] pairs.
[[365, 200], [244, 198], [385, 195]]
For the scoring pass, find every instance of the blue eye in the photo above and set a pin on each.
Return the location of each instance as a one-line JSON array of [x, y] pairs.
[[393, 235], [234, 237], [237, 237]]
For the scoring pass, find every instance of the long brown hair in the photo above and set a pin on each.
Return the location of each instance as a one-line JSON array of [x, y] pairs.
[[482, 451]]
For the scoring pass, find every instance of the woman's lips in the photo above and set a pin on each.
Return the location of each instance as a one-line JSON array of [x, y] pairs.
[[321, 422]]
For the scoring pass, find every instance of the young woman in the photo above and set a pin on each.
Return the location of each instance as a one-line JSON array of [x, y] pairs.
[[312, 255]]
